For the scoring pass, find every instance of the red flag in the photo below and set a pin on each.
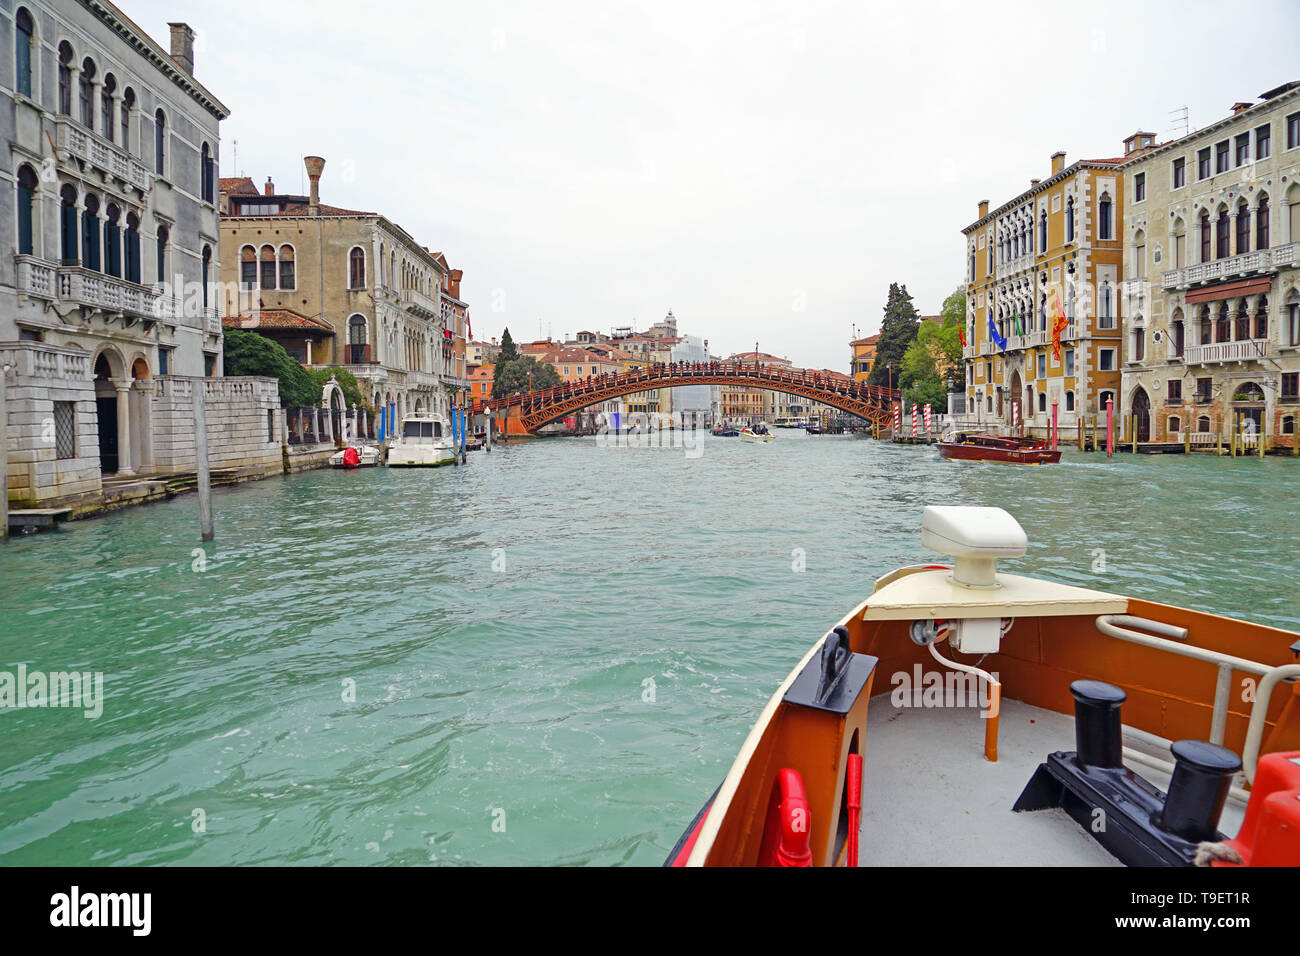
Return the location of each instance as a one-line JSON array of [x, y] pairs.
[[1059, 325], [961, 337]]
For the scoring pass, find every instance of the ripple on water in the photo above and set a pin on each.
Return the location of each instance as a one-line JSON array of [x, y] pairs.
[[351, 682]]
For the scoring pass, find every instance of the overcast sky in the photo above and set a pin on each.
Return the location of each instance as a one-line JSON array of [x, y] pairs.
[[764, 170]]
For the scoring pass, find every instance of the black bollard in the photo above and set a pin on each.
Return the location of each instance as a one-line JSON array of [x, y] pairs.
[[1202, 776], [1097, 737]]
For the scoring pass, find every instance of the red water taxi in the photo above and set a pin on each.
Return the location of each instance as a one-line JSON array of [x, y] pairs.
[[964, 716], [1011, 451]]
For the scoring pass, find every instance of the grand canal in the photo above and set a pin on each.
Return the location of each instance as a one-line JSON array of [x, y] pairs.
[[548, 656]]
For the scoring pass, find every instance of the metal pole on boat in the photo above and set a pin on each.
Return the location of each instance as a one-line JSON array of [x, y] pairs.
[[198, 402], [1110, 428], [1056, 430]]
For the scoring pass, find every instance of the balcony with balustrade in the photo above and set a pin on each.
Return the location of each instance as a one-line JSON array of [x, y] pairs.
[[419, 304], [86, 287], [98, 152], [1259, 261], [1243, 350]]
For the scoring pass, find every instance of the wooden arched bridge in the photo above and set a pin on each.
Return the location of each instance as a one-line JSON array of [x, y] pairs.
[[540, 406]]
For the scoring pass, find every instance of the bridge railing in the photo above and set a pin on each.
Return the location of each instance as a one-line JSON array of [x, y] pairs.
[[651, 374]]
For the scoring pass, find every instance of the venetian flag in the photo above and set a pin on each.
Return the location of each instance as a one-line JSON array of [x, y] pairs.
[[1059, 324], [961, 337]]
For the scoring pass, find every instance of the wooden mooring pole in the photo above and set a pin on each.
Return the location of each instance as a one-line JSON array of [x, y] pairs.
[[199, 403]]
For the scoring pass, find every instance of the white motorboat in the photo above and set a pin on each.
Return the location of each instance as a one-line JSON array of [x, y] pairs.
[[425, 441], [362, 456], [756, 433]]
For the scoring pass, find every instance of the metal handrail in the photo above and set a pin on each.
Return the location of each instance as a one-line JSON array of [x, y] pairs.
[[1112, 626]]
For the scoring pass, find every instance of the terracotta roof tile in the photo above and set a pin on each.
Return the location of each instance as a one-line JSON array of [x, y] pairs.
[[238, 186], [268, 319]]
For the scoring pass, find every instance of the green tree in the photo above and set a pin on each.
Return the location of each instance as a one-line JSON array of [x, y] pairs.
[[352, 393], [929, 391], [513, 377], [954, 323], [247, 353], [897, 330], [508, 351]]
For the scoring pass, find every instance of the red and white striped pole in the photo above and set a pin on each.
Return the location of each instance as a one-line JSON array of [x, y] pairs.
[[898, 419], [914, 421], [927, 418], [1055, 427], [1015, 417]]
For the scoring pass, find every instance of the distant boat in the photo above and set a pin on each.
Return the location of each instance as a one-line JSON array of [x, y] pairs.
[[1009, 451], [425, 441], [790, 423], [725, 432], [756, 433]]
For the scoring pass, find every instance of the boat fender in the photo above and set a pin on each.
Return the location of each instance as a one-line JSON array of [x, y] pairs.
[[350, 457], [788, 831]]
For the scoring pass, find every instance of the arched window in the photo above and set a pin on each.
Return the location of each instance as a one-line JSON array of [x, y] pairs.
[[132, 248], [1042, 232], [1069, 219], [287, 277], [1104, 223], [1205, 236], [1243, 228], [68, 224], [1175, 424], [268, 267], [1288, 425], [159, 141], [1180, 244], [87, 90], [1203, 424], [107, 107], [1105, 314], [90, 233], [1042, 401], [128, 106], [1207, 332], [1241, 329], [1221, 232], [1140, 254], [1261, 224], [27, 181], [1222, 327], [24, 30], [113, 241], [1261, 318], [1069, 401], [1177, 334], [163, 235], [65, 78], [248, 267], [207, 273], [205, 174], [357, 268]]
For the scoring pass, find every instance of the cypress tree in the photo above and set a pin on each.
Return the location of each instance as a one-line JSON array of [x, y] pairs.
[[897, 331]]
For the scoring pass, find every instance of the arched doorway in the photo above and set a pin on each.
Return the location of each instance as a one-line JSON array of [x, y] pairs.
[[105, 407], [1248, 402], [1017, 393], [1142, 412]]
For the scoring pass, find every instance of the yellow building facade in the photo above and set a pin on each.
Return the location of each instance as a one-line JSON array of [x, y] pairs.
[[1056, 247]]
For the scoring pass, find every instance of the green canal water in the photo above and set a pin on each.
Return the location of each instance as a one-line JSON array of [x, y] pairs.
[[555, 651]]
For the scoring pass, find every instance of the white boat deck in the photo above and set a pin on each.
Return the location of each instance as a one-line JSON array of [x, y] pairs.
[[931, 799]]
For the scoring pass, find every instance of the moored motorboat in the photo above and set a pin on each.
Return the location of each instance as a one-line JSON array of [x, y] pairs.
[[424, 441], [963, 716], [1011, 451], [356, 456]]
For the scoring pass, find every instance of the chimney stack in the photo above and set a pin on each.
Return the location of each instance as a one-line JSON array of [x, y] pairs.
[[1058, 161], [984, 208], [314, 166], [1240, 107], [269, 188], [183, 46], [1034, 182]]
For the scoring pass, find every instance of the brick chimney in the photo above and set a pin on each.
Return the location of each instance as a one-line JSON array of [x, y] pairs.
[[984, 208], [1034, 182], [183, 46], [1058, 161], [314, 167], [269, 188]]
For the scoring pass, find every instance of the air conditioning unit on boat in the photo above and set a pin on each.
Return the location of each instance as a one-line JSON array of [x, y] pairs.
[[975, 538]]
